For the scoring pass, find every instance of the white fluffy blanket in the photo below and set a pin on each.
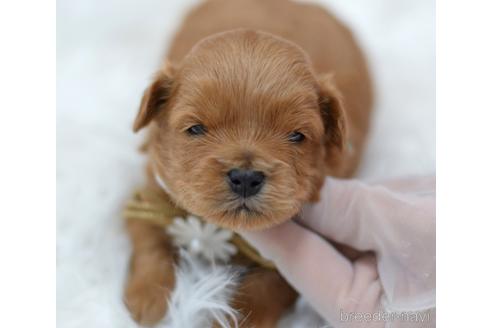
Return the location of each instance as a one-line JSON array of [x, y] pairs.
[[107, 51]]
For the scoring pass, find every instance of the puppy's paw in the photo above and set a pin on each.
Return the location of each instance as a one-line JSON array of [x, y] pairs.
[[146, 301]]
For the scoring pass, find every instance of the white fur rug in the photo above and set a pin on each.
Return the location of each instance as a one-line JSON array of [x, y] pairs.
[[107, 51]]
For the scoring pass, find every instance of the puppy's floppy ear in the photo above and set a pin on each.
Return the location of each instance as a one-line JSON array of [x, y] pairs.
[[333, 114], [155, 97]]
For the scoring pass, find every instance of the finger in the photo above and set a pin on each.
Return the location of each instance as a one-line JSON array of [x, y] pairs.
[[410, 185], [358, 214], [365, 274], [311, 265], [341, 213]]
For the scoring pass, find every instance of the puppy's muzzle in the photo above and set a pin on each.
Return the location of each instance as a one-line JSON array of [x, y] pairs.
[[245, 183]]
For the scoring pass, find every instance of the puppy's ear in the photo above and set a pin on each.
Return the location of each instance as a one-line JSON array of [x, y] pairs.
[[333, 114], [155, 97]]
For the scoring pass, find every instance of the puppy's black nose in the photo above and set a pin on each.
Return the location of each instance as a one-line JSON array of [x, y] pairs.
[[245, 183]]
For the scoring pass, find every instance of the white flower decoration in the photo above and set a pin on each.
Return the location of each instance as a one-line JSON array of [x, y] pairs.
[[201, 238]]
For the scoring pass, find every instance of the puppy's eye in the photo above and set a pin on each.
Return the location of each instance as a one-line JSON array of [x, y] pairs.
[[196, 130], [296, 137]]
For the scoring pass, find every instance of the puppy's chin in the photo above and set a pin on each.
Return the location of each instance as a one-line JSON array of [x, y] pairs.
[[249, 218]]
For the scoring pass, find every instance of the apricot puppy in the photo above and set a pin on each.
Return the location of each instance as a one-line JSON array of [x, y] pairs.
[[257, 103]]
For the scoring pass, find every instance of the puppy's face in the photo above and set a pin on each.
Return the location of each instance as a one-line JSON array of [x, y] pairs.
[[242, 130]]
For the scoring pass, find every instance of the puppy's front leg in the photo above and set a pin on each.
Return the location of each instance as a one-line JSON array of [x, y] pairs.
[[262, 297], [151, 276]]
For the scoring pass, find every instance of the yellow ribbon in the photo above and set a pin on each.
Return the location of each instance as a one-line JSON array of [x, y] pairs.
[[156, 208]]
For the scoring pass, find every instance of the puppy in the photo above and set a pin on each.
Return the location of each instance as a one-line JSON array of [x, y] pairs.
[[258, 101]]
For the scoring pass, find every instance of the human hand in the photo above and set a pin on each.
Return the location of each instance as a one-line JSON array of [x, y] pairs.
[[394, 220]]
